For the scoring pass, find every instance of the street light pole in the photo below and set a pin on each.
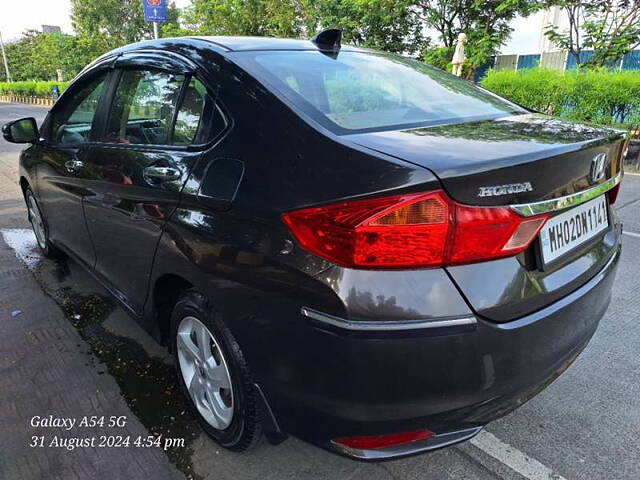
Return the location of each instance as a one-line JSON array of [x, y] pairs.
[[4, 58]]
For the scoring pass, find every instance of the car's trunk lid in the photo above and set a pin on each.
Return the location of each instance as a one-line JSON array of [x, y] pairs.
[[504, 161]]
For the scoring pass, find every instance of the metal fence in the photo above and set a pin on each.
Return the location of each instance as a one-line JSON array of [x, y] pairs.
[[571, 59], [528, 61], [482, 70], [560, 60], [506, 62], [553, 60], [631, 61]]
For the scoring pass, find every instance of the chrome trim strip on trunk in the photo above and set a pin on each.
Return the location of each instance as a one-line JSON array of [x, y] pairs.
[[369, 326], [546, 206]]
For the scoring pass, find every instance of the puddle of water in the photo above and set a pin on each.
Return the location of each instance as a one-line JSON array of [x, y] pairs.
[[24, 243], [149, 385]]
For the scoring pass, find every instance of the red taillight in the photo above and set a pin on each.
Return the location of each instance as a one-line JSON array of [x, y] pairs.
[[374, 442], [413, 230], [483, 233]]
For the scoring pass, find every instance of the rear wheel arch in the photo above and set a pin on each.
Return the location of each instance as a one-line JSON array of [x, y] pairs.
[[170, 289], [246, 427], [167, 290]]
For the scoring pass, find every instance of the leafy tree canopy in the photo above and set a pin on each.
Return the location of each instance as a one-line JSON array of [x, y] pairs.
[[113, 22], [390, 25], [486, 24], [100, 25], [386, 24], [244, 17], [37, 56]]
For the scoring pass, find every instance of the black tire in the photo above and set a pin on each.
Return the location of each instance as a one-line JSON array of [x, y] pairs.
[[47, 248], [245, 429]]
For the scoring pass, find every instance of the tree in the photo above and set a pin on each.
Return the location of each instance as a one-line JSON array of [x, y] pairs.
[[389, 25], [37, 56], [280, 18], [113, 22], [110, 24], [385, 24], [395, 26], [486, 24], [448, 18], [610, 28], [438, 56]]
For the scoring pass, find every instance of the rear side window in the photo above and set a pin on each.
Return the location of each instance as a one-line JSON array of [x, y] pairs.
[[143, 108], [189, 118], [71, 124]]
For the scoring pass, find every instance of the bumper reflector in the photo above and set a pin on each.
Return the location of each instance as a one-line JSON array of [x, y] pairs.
[[373, 442]]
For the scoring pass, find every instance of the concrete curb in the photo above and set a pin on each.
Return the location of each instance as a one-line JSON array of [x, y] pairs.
[[43, 101]]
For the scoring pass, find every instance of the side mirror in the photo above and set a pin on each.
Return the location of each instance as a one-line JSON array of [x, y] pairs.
[[24, 130]]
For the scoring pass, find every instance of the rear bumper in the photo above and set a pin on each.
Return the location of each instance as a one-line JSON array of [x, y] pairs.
[[451, 382]]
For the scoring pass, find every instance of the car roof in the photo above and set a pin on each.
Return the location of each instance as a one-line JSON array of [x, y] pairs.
[[237, 43], [223, 45]]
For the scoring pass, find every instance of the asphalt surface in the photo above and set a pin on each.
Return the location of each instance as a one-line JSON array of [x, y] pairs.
[[68, 350]]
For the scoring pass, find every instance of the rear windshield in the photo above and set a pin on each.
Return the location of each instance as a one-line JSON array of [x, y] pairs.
[[361, 92]]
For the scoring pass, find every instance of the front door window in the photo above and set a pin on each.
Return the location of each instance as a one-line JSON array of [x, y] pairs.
[[72, 123]]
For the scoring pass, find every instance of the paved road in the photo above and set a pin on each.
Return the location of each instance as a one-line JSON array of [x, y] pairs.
[[73, 350]]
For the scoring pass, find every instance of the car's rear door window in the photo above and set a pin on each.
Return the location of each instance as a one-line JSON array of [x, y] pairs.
[[190, 114], [143, 108], [161, 108]]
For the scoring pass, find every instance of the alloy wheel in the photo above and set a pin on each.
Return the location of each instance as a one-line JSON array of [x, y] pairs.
[[205, 372]]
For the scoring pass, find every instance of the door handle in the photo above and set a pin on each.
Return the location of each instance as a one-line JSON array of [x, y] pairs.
[[73, 166], [163, 174]]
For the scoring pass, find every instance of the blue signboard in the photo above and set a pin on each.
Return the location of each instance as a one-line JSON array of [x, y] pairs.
[[155, 10]]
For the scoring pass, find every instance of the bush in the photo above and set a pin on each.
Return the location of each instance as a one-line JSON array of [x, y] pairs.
[[595, 96], [606, 98], [31, 89], [439, 57]]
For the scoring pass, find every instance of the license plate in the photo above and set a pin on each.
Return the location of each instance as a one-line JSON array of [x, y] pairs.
[[570, 229]]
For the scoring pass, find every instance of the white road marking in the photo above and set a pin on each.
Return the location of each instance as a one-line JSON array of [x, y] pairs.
[[632, 174], [631, 234], [513, 458]]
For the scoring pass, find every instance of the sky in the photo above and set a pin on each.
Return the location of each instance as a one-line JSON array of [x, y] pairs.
[[19, 15]]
